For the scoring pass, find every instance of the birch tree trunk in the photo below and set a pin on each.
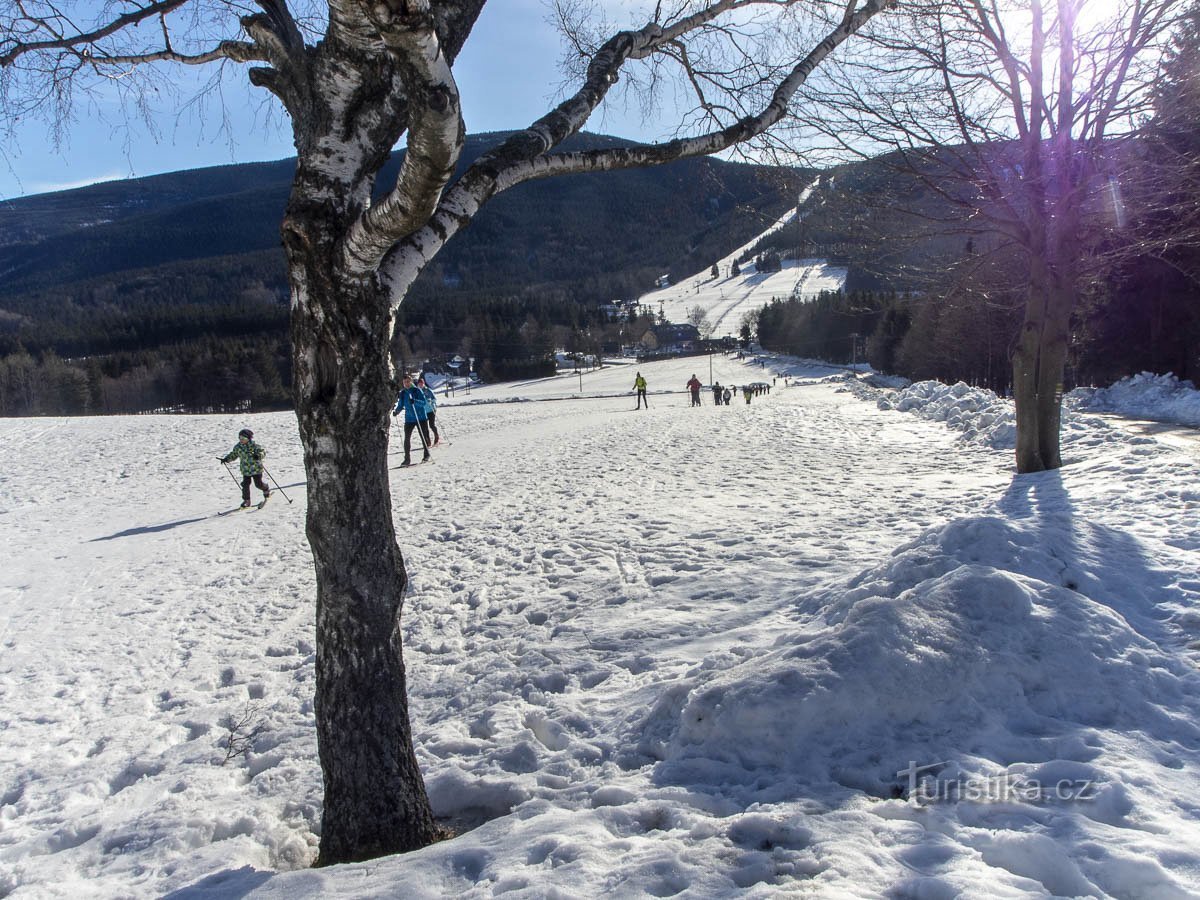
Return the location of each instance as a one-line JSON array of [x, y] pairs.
[[375, 802]]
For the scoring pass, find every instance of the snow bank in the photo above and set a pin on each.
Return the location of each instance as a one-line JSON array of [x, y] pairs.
[[992, 669], [1163, 398], [928, 656], [979, 414], [983, 417], [987, 419]]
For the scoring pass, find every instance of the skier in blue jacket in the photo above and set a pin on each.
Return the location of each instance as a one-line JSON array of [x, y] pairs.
[[430, 409], [412, 401]]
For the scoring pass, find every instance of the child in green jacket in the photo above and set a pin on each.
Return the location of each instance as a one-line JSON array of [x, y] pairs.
[[249, 456]]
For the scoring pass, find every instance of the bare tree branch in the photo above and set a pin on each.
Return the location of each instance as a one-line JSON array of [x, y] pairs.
[[525, 156], [38, 23], [436, 137]]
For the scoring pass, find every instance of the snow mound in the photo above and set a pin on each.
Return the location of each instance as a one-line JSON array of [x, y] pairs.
[[979, 414], [985, 649], [1163, 398], [890, 382], [983, 417]]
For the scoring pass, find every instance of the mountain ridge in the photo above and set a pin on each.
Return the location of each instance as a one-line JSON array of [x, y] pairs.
[[56, 239]]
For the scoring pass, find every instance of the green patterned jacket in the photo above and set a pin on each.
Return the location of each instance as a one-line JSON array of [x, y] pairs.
[[249, 456]]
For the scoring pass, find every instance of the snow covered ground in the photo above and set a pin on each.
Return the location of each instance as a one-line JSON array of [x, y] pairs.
[[825, 644], [727, 298]]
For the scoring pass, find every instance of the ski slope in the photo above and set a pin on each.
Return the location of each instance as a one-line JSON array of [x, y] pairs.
[[727, 298]]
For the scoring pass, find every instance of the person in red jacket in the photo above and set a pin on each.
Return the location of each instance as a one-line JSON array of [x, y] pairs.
[[694, 386]]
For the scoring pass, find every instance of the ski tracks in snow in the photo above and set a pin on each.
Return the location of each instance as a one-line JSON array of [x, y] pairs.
[[572, 569], [569, 568], [140, 630]]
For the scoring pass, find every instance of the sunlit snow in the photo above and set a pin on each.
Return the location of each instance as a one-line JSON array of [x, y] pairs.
[[818, 644]]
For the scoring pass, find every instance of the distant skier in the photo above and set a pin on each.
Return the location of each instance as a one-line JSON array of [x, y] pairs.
[[249, 456], [716, 389], [412, 401], [430, 409], [747, 392], [639, 385], [727, 395], [694, 386]]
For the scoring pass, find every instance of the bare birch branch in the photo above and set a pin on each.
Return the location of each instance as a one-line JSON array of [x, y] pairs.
[[525, 156]]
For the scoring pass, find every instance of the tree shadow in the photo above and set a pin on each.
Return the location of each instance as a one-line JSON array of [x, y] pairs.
[[148, 529], [227, 885], [1110, 566]]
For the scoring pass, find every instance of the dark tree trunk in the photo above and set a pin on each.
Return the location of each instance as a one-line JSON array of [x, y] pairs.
[[1038, 367], [375, 802]]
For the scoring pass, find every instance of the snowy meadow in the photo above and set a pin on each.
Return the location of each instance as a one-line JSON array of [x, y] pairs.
[[823, 644]]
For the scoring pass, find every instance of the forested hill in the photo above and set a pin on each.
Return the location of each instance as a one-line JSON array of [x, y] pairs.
[[598, 237], [170, 291]]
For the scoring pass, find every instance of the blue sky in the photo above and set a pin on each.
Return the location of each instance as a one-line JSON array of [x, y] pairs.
[[507, 74]]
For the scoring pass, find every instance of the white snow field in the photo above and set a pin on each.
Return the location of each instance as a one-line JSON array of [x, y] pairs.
[[818, 645], [727, 298]]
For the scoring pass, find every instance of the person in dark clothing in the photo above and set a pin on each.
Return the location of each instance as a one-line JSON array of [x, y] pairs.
[[716, 389], [412, 402], [249, 456]]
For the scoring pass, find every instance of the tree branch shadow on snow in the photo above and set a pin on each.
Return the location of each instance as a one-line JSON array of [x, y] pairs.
[[147, 529], [227, 885]]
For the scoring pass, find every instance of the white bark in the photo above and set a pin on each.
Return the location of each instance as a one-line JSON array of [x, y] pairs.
[[435, 139]]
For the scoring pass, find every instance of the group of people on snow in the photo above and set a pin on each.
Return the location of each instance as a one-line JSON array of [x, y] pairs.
[[721, 395], [417, 401], [419, 405]]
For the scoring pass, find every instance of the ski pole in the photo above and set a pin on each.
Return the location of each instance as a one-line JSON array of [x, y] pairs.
[[422, 427], [276, 483], [231, 475]]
